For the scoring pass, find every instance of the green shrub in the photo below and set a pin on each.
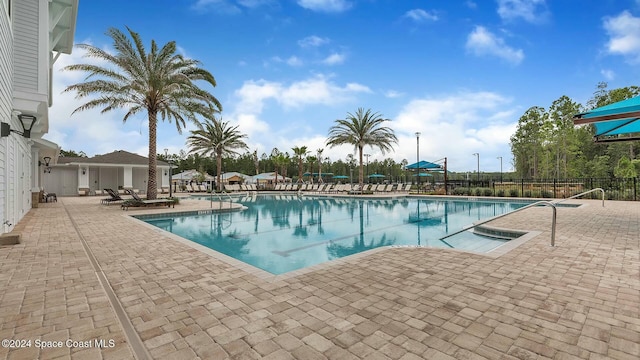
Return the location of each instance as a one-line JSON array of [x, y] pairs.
[[514, 193], [527, 193], [477, 191], [546, 194], [487, 192], [500, 193]]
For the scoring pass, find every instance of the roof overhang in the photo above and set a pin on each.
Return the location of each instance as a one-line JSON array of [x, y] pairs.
[[62, 25], [47, 148]]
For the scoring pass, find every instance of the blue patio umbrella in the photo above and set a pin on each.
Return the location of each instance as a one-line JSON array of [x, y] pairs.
[[422, 174], [376, 176], [613, 120], [426, 165], [340, 177]]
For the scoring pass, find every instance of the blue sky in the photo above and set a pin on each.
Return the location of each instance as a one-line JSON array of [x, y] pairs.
[[459, 72]]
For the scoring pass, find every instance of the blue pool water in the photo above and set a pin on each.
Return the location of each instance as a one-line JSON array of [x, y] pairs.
[[281, 233]]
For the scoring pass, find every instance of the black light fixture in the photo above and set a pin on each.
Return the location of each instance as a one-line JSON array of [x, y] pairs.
[[27, 122], [84, 171], [47, 161]]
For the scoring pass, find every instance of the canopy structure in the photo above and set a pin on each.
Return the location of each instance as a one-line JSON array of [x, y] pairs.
[[424, 165], [614, 122], [422, 174], [340, 177], [376, 176]]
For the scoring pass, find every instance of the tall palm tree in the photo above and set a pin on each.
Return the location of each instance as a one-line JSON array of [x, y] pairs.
[[300, 152], [214, 137], [159, 82], [363, 128]]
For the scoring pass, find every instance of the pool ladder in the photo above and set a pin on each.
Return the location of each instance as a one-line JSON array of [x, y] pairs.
[[550, 203]]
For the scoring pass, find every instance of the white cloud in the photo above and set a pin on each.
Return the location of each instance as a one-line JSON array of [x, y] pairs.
[[291, 61], [470, 4], [334, 59], [313, 41], [294, 61], [455, 127], [325, 5], [393, 94], [533, 11], [420, 15], [228, 6], [481, 42], [608, 74], [219, 6], [624, 35], [313, 91]]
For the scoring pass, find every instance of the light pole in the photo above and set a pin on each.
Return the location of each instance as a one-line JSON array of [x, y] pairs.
[[418, 158], [477, 155], [367, 156], [500, 157], [166, 156]]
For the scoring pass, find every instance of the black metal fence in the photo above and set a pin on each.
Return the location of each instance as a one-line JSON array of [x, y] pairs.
[[615, 189]]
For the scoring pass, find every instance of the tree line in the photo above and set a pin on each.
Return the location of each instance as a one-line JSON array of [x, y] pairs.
[[547, 145]]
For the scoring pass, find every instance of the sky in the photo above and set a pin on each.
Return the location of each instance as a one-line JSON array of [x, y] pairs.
[[461, 73]]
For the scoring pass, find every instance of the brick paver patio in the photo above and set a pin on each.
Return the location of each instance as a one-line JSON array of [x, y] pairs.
[[85, 272]]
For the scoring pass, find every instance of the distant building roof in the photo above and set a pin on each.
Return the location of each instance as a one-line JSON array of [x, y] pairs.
[[119, 157], [231, 174]]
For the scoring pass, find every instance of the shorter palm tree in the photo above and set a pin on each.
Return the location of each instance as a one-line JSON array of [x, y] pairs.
[[214, 137], [300, 152], [361, 129]]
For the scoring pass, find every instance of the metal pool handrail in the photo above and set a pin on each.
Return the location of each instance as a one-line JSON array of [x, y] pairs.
[[542, 202], [219, 199], [584, 193]]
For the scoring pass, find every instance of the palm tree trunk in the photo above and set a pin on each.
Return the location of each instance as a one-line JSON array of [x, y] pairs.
[[219, 169], [361, 172], [151, 181]]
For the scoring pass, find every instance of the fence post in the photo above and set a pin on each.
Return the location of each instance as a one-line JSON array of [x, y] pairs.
[[521, 187], [634, 189], [555, 192]]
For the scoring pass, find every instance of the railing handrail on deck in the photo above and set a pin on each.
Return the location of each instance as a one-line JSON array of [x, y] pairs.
[[584, 193], [542, 202]]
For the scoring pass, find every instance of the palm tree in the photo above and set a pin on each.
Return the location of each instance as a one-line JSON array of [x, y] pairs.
[[280, 161], [319, 151], [159, 82], [214, 137], [311, 159], [300, 152], [363, 128]]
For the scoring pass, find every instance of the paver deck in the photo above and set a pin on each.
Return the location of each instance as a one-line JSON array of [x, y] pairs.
[[85, 272]]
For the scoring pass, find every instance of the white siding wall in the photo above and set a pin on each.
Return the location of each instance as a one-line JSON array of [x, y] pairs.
[[6, 85], [25, 26]]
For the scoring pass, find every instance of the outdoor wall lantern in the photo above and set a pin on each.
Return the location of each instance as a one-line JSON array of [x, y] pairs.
[[26, 121], [84, 171], [47, 161]]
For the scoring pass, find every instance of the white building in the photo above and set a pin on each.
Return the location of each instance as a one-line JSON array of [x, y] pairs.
[[33, 33]]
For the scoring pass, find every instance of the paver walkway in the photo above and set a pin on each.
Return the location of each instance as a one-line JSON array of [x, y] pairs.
[[578, 300]]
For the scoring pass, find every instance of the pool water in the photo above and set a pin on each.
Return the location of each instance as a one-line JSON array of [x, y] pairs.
[[282, 233]]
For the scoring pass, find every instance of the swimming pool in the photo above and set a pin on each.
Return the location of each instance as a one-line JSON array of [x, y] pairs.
[[282, 233]]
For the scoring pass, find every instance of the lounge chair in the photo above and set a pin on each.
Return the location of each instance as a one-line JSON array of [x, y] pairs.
[[138, 201], [113, 197], [49, 197]]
